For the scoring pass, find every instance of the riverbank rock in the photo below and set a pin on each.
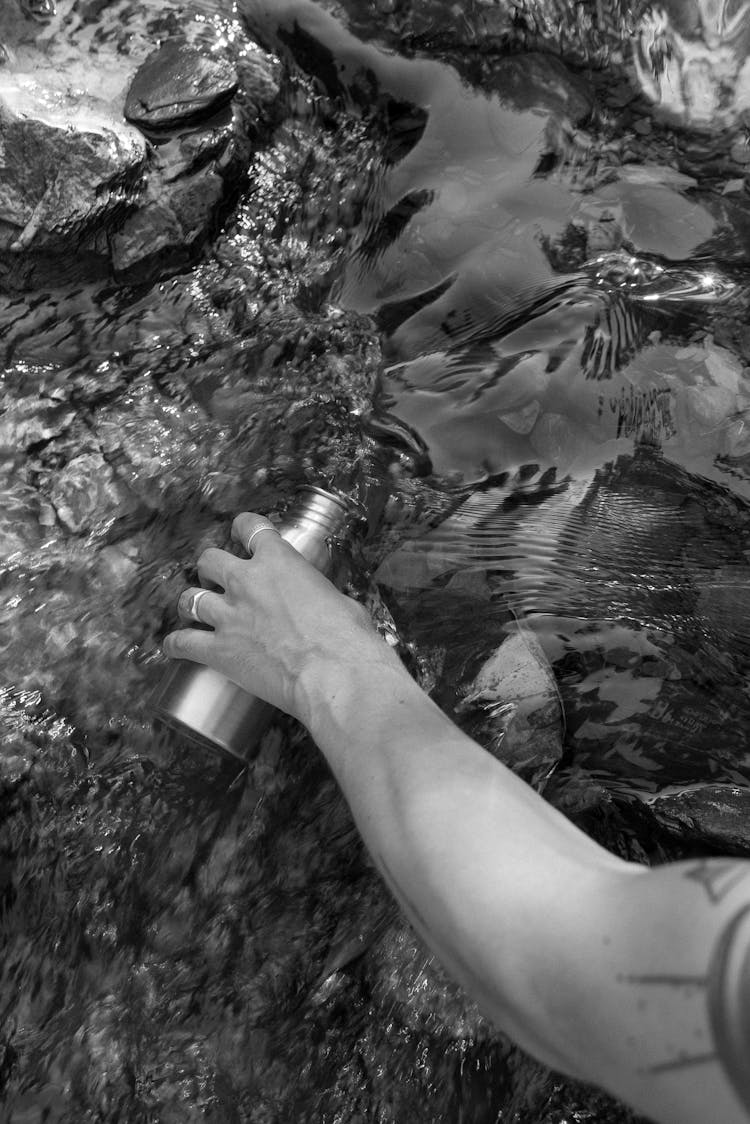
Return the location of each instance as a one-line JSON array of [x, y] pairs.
[[69, 168], [85, 195]]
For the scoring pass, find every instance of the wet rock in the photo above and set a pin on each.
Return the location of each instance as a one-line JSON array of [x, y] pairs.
[[177, 84], [740, 151], [69, 167], [153, 230], [709, 406], [192, 172], [86, 492], [516, 691], [30, 422], [555, 440], [724, 597], [578, 32], [83, 194], [20, 528], [523, 420], [155, 448], [418, 988], [117, 566], [41, 10], [715, 814]]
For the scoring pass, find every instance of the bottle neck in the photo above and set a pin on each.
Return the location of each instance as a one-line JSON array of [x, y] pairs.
[[330, 513]]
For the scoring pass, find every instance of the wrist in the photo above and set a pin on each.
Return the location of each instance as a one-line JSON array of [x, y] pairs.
[[346, 689]]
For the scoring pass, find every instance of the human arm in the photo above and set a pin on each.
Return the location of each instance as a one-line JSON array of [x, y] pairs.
[[601, 968]]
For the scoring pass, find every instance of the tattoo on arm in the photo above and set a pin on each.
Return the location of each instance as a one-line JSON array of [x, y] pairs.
[[718, 877], [729, 1001], [725, 986], [688, 985]]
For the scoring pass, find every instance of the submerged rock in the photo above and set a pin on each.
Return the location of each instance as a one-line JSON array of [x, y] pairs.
[[588, 32], [177, 84], [42, 10], [516, 698], [716, 815], [20, 529], [86, 493]]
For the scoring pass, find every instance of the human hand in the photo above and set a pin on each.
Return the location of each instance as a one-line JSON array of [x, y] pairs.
[[279, 627]]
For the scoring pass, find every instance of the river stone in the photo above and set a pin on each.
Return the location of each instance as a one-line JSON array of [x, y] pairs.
[[86, 493], [177, 84], [85, 196], [714, 814], [67, 167], [516, 690]]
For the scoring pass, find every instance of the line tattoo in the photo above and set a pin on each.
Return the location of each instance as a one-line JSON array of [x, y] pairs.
[[682, 1063], [729, 1001], [666, 980], [680, 981], [718, 877]]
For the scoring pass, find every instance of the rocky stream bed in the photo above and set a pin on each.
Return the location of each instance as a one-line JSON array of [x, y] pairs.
[[204, 209]]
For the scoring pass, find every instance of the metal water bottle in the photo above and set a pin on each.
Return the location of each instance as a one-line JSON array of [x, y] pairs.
[[201, 703]]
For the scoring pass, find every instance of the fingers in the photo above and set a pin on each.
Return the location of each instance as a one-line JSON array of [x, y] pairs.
[[256, 533], [216, 565], [189, 644], [201, 605]]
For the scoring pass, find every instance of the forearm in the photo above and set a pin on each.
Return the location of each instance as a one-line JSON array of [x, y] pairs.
[[476, 859], [552, 935], [601, 968]]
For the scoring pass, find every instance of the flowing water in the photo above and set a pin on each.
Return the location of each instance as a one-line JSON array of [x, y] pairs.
[[503, 302]]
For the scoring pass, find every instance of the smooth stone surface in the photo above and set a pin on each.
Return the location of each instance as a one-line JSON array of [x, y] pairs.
[[177, 84]]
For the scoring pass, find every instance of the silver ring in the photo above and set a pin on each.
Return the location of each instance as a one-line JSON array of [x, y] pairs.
[[267, 526], [192, 608]]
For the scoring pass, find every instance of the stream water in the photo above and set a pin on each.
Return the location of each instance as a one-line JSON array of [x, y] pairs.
[[504, 303]]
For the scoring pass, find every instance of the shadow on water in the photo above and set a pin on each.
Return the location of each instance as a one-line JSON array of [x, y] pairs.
[[504, 302]]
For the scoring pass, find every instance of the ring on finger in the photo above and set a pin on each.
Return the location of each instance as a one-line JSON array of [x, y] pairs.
[[192, 606], [267, 525]]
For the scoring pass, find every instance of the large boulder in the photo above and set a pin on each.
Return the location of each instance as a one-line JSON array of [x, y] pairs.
[[86, 195], [69, 168]]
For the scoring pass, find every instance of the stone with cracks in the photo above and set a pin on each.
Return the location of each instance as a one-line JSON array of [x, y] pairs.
[[68, 167]]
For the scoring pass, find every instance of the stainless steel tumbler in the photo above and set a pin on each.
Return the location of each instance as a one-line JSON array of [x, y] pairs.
[[203, 704]]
